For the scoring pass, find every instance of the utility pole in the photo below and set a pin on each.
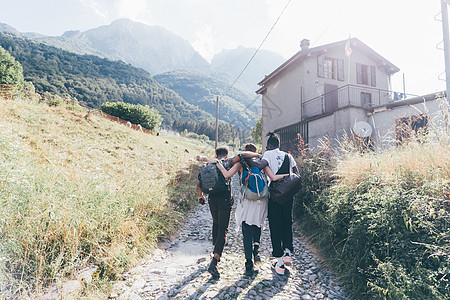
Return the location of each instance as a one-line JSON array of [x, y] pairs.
[[217, 121], [445, 31]]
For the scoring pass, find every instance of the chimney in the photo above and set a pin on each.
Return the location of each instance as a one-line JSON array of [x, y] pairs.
[[304, 44]]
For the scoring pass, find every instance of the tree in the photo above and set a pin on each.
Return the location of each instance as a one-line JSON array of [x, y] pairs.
[[11, 71], [256, 132]]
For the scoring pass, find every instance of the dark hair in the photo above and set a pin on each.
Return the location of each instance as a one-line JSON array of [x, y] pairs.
[[273, 140], [250, 147], [221, 151]]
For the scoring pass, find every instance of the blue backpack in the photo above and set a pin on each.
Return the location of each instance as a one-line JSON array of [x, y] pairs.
[[253, 185]]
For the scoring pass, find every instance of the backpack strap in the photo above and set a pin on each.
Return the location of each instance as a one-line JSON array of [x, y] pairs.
[[247, 167], [285, 166]]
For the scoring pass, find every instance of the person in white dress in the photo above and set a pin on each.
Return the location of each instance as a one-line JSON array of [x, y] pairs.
[[250, 214]]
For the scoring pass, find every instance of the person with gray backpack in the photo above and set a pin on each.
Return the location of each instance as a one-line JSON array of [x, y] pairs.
[[218, 188], [251, 208]]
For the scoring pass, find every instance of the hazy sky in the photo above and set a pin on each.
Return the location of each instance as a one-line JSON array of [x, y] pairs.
[[404, 32]]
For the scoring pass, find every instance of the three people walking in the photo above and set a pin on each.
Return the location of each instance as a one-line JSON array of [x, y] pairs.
[[251, 212]]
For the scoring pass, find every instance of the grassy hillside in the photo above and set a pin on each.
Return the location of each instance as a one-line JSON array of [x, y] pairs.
[[382, 218], [78, 190], [94, 80]]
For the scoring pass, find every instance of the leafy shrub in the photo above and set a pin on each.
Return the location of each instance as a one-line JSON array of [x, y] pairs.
[[137, 114], [11, 71], [382, 218], [193, 135]]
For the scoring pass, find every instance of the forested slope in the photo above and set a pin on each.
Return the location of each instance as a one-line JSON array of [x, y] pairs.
[[93, 80]]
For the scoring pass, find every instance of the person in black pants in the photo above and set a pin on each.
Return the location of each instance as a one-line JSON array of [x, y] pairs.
[[280, 215], [220, 206]]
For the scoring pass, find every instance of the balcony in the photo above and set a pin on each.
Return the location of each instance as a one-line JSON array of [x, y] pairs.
[[349, 96]]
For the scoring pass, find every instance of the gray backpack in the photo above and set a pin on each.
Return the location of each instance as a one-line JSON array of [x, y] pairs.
[[212, 180]]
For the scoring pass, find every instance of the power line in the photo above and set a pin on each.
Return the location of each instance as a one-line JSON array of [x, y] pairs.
[[254, 54]]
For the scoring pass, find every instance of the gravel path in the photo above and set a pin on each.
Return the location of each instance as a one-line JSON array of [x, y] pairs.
[[178, 270]]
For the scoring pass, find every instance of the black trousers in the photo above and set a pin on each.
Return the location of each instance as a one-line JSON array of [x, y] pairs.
[[251, 234], [220, 207], [280, 224]]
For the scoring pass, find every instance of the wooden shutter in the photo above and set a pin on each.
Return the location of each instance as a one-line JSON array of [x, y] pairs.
[[320, 71], [340, 69], [373, 76], [359, 79]]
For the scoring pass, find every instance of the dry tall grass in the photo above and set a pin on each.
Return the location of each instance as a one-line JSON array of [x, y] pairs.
[[77, 191], [425, 156]]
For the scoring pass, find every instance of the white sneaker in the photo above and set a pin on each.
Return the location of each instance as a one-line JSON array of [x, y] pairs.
[[279, 268], [287, 258]]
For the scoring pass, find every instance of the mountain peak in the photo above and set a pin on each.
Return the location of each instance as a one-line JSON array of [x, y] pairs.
[[152, 48], [6, 28], [72, 33]]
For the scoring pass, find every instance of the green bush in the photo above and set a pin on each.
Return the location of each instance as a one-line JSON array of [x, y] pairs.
[[137, 114], [193, 135], [11, 71], [256, 132], [385, 227]]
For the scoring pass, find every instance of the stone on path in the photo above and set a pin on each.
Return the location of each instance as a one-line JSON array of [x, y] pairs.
[[178, 271]]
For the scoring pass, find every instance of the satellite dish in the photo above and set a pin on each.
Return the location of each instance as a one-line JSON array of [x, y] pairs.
[[362, 129]]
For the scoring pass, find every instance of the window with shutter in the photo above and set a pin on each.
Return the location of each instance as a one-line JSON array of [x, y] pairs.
[[340, 71], [373, 76], [320, 68], [364, 73], [358, 73]]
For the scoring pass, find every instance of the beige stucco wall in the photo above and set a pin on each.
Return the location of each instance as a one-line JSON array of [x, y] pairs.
[[335, 126], [281, 102], [383, 122]]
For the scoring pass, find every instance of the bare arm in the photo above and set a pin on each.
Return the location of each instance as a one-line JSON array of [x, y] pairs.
[[272, 176], [230, 172], [245, 154], [200, 199], [199, 190]]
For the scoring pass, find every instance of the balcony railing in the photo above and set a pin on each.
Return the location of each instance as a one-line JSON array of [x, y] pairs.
[[349, 95]]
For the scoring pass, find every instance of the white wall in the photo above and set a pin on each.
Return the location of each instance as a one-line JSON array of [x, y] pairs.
[[281, 104], [383, 122], [335, 126]]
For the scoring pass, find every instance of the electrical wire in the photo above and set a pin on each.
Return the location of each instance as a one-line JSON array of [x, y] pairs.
[[254, 54]]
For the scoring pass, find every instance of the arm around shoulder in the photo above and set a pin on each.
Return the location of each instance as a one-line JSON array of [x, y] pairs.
[[272, 176], [228, 173]]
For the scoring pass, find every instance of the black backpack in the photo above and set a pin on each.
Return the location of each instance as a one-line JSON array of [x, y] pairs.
[[212, 180]]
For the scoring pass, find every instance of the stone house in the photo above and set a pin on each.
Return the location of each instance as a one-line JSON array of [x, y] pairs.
[[327, 90]]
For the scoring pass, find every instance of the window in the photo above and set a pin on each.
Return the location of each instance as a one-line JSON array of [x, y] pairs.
[[366, 99], [364, 73], [331, 68], [328, 68]]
